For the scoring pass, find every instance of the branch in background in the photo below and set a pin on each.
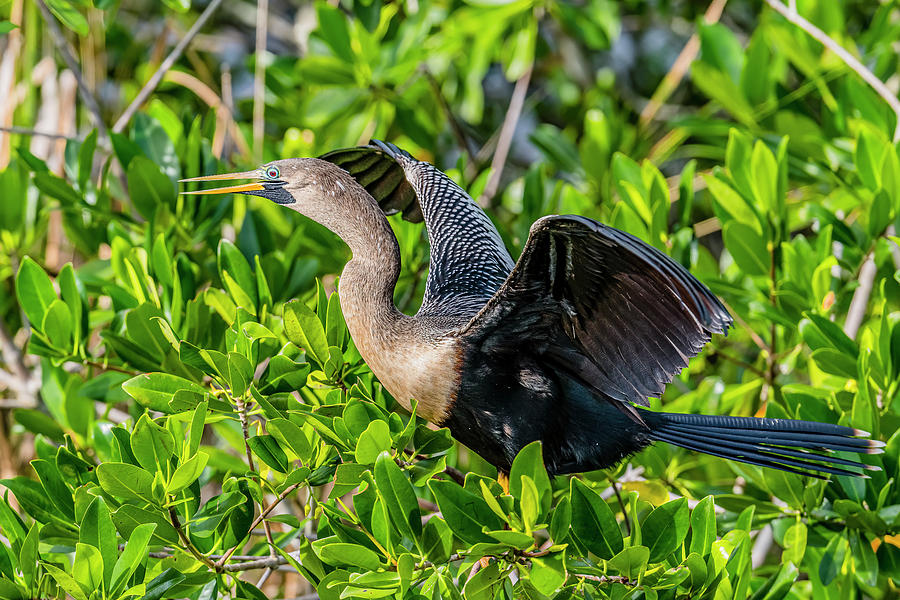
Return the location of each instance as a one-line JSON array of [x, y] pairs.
[[680, 67], [464, 141], [224, 115], [790, 13], [857, 311], [170, 60], [506, 135], [259, 78], [32, 132], [86, 96]]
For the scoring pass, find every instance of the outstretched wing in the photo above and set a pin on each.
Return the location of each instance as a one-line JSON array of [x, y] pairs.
[[469, 261], [602, 305]]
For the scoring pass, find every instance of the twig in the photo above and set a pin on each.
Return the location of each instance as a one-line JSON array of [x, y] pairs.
[[173, 56], [464, 141], [259, 78], [790, 13], [262, 515], [857, 310], [86, 96], [680, 67], [173, 517], [615, 487], [242, 414], [109, 367], [32, 132], [605, 578], [506, 135], [262, 563], [739, 362]]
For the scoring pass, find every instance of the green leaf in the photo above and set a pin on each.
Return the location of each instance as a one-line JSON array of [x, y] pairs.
[[631, 562], [133, 555], [148, 187], [664, 529], [548, 573], [237, 276], [57, 326], [56, 488], [703, 526], [399, 496], [129, 517], [764, 170], [593, 523], [6, 27], [372, 442], [747, 247], [465, 513], [794, 544], [65, 581], [34, 290], [69, 16], [87, 568], [152, 445], [483, 584], [339, 553], [97, 529], [187, 472], [869, 156], [126, 481], [530, 462], [156, 390], [333, 29], [267, 449], [305, 330], [291, 435]]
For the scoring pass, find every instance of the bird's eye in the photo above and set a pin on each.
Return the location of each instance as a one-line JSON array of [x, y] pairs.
[[273, 173]]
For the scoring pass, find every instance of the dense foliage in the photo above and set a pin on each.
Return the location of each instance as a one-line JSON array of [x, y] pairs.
[[181, 406]]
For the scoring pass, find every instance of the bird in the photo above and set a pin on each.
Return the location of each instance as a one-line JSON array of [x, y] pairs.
[[565, 345]]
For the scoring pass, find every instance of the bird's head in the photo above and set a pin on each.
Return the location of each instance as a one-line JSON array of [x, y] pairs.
[[281, 181], [312, 187]]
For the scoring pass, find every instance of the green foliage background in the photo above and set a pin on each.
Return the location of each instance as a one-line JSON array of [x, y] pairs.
[[177, 372]]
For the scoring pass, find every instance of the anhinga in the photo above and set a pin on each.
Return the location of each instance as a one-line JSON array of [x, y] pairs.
[[559, 346]]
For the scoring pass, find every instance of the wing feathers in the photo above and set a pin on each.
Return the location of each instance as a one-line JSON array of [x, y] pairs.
[[632, 315]]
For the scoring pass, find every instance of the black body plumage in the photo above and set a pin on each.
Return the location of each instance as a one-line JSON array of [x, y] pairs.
[[561, 345]]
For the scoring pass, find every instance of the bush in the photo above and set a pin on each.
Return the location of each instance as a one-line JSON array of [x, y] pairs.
[[194, 411]]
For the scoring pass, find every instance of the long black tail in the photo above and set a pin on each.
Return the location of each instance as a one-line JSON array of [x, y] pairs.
[[795, 446]]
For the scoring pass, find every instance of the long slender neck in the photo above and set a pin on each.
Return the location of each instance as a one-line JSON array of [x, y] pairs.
[[368, 280]]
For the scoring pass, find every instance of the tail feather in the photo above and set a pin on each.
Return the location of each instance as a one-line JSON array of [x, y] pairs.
[[795, 446]]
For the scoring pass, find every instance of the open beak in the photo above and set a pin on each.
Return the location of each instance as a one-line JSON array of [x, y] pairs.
[[256, 186]]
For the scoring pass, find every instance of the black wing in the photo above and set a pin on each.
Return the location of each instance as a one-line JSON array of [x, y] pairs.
[[469, 261], [602, 305]]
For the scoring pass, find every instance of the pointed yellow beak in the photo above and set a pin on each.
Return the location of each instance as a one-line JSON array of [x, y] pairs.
[[231, 189]]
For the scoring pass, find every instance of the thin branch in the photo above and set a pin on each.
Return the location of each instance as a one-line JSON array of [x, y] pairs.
[[242, 413], [615, 487], [33, 133], [259, 78], [263, 563], [170, 60], [680, 67], [739, 362], [506, 135], [173, 517], [262, 515], [790, 13], [464, 141], [86, 96]]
